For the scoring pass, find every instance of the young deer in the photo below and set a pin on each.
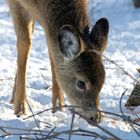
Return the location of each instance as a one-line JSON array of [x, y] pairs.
[[77, 70]]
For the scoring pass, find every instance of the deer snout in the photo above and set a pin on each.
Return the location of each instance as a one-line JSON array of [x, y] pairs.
[[93, 116], [92, 113], [97, 118]]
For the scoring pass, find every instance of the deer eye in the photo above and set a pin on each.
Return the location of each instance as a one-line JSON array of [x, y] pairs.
[[81, 85]]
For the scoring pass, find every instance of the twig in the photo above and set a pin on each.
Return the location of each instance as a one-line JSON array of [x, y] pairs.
[[20, 134], [98, 126], [34, 118], [113, 62], [47, 124], [65, 106], [135, 114], [4, 131], [89, 132], [22, 129], [47, 86], [51, 132], [120, 116], [71, 126], [75, 132]]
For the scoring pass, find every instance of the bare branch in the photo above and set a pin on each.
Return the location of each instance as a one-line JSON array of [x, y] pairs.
[[72, 122], [113, 62], [57, 108], [34, 118]]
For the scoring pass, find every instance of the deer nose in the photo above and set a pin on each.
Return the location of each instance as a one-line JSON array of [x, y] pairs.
[[97, 118]]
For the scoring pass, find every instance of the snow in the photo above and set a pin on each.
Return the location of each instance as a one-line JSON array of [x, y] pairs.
[[123, 48]]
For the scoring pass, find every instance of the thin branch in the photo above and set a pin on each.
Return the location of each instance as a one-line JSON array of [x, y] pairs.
[[79, 132], [23, 129], [34, 118], [113, 62], [137, 119], [47, 124], [121, 116], [20, 134], [51, 132], [4, 131], [71, 126], [47, 86], [65, 106], [98, 126]]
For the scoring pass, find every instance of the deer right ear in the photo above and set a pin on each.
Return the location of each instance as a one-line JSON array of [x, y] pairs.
[[99, 34], [69, 42]]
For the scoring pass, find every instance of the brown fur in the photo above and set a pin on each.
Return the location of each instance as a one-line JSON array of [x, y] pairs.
[[86, 65]]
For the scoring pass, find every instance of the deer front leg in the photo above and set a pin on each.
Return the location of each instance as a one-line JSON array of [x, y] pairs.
[[20, 83], [23, 24], [57, 93], [57, 96], [19, 91], [14, 90]]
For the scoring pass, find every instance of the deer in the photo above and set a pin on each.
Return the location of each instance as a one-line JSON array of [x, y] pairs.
[[77, 70]]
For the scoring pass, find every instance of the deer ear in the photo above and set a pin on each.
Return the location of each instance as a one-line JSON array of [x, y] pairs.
[[99, 34], [69, 42]]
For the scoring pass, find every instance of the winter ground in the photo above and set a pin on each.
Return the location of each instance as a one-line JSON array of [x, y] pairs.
[[123, 48]]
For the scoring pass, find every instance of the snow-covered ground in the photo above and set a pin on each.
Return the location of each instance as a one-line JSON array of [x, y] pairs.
[[123, 48]]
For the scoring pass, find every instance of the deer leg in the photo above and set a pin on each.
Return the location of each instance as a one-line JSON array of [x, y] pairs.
[[57, 93], [14, 90], [24, 28]]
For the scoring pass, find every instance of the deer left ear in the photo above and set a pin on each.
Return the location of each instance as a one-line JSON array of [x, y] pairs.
[[69, 42], [99, 34]]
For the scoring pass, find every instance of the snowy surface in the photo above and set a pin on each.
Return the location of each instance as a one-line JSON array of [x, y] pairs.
[[123, 48]]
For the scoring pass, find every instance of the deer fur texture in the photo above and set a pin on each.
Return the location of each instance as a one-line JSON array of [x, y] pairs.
[[76, 70]]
